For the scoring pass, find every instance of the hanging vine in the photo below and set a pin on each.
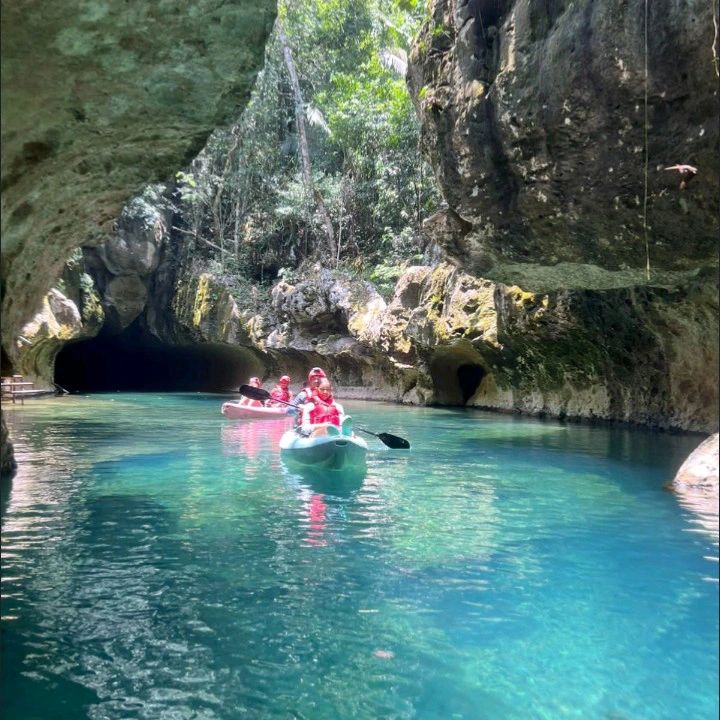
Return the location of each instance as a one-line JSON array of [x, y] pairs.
[[645, 143], [716, 61]]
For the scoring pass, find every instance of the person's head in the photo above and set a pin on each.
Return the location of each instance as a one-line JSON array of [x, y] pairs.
[[255, 382], [284, 381], [315, 375], [324, 389]]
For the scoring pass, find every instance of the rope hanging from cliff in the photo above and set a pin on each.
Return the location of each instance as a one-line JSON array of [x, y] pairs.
[[645, 138], [716, 62]]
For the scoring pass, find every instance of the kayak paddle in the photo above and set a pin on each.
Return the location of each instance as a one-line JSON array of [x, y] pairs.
[[392, 441]]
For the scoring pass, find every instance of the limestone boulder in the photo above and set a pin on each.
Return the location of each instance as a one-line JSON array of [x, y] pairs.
[[58, 322], [142, 228], [124, 299], [329, 309], [8, 464], [700, 470]]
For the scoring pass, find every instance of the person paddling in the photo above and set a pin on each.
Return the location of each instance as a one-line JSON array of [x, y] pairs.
[[244, 401], [322, 415], [313, 378], [280, 393]]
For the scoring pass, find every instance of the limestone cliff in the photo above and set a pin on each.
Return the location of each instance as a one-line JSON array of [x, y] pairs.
[[639, 354], [602, 345], [535, 117]]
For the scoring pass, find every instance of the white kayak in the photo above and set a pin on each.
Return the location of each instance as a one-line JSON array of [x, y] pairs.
[[324, 452], [235, 411]]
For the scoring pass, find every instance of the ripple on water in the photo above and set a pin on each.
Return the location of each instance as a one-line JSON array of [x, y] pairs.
[[160, 561]]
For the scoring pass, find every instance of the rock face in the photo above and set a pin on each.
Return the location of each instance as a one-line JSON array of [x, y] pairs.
[[8, 465], [60, 320], [533, 117], [100, 98], [636, 354], [633, 353], [123, 266], [696, 484]]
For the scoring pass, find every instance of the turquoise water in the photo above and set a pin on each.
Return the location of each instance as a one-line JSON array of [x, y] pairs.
[[159, 561]]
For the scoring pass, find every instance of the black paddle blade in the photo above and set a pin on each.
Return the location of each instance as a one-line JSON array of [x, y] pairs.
[[254, 393], [394, 442]]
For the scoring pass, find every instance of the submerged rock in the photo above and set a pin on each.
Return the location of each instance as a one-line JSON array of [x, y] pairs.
[[700, 470]]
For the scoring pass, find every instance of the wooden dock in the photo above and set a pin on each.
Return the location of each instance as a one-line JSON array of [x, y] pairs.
[[17, 388]]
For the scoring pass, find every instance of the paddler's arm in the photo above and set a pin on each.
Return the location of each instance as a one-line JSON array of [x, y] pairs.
[[306, 426], [296, 410]]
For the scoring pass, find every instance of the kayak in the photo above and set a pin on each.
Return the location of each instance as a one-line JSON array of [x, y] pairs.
[[235, 411], [324, 452]]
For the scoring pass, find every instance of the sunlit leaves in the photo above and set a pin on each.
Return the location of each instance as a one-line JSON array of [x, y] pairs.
[[350, 56], [316, 118], [394, 59]]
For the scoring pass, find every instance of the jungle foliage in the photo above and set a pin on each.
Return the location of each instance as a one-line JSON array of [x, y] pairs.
[[254, 209]]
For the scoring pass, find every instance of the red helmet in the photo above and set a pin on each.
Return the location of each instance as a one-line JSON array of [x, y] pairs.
[[316, 372], [285, 380]]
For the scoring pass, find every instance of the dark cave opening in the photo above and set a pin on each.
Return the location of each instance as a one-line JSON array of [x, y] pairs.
[[135, 361], [469, 378], [6, 366]]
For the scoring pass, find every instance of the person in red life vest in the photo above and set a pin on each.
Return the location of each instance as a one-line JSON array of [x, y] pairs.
[[322, 415], [280, 392], [314, 377], [253, 382]]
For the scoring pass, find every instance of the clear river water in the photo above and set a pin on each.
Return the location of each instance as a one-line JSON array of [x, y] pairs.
[[161, 562]]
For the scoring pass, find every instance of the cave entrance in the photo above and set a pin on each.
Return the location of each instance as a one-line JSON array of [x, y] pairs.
[[6, 366], [135, 361], [469, 378], [457, 372]]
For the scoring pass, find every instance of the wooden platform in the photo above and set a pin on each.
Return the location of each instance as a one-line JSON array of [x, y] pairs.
[[17, 388]]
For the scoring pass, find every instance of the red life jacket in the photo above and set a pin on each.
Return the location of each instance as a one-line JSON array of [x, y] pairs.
[[324, 412], [280, 393]]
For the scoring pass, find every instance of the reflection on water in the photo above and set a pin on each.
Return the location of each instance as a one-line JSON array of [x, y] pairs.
[[702, 503], [251, 437], [161, 561]]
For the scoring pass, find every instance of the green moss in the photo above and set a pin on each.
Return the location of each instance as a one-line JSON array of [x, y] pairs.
[[201, 302]]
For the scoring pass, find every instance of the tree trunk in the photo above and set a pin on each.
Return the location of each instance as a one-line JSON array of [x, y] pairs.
[[236, 229], [303, 148], [217, 209]]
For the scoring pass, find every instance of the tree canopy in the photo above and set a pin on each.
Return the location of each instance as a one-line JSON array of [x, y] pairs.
[[325, 159]]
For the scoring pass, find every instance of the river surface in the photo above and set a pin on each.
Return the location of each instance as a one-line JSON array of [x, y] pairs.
[[160, 561]]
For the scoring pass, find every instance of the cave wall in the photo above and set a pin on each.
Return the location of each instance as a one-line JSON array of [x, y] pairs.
[[644, 355], [533, 116], [99, 99]]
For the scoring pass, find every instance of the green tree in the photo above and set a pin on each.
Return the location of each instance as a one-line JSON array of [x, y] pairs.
[[324, 162]]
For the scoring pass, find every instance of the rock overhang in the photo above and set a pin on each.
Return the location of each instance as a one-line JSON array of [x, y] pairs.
[[99, 99]]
